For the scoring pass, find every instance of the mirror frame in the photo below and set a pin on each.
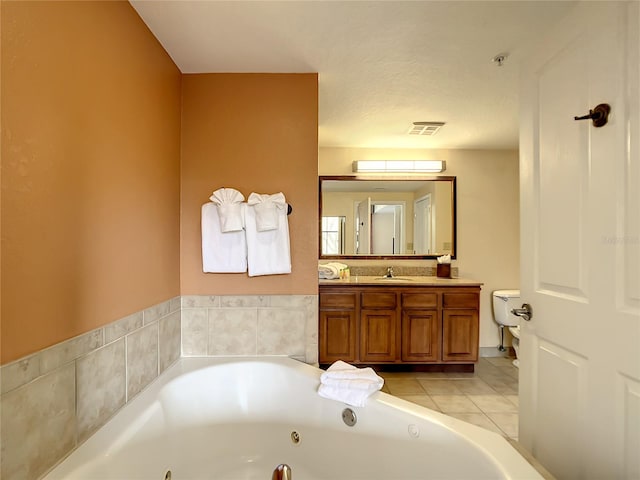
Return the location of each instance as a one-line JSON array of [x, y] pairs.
[[454, 218]]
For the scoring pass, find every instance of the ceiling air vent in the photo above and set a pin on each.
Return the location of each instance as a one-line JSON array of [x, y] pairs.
[[425, 128]]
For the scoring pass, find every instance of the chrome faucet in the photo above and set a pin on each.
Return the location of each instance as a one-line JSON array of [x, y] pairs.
[[282, 472], [389, 272]]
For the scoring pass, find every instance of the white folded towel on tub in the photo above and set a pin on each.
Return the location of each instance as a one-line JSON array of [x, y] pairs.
[[348, 384], [221, 252], [229, 202]]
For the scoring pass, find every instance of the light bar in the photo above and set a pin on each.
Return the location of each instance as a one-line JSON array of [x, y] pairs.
[[399, 166]]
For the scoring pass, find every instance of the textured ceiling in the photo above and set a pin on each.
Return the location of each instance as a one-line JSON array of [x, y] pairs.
[[381, 65]]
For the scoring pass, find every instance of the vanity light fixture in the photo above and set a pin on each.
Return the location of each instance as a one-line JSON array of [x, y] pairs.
[[399, 166]]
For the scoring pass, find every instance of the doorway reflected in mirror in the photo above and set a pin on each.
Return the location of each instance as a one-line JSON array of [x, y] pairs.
[[412, 217]]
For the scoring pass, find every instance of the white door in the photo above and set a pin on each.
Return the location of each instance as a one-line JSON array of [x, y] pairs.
[[363, 227], [384, 229], [422, 225], [580, 246]]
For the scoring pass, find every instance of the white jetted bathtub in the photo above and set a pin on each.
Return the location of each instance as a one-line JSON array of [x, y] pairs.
[[239, 418]]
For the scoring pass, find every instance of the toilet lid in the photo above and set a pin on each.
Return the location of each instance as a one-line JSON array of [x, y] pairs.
[[507, 293]]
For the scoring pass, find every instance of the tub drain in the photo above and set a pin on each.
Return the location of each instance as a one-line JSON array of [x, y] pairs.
[[295, 437]]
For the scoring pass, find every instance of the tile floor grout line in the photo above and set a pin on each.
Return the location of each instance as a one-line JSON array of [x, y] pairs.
[[456, 391]]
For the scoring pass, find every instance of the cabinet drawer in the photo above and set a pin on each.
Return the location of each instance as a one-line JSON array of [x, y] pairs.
[[338, 300], [419, 300], [460, 300], [378, 300]]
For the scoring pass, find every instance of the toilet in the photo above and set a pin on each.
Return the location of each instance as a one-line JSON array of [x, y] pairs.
[[503, 302]]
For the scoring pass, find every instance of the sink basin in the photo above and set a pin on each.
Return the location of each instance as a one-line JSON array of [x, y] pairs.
[[395, 279]]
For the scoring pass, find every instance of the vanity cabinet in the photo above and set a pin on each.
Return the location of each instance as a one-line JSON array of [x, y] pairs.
[[460, 327], [338, 327], [378, 325], [369, 325]]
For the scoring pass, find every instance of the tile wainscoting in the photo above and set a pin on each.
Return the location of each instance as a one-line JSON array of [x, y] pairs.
[[56, 398], [251, 325], [53, 400]]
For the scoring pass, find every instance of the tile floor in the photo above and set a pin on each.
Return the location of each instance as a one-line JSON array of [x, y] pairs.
[[487, 397]]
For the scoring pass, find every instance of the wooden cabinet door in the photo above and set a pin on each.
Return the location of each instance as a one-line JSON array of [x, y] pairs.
[[460, 332], [377, 336], [420, 336], [337, 336]]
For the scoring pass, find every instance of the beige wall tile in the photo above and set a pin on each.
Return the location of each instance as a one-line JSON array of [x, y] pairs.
[[311, 315], [169, 340], [191, 301], [38, 424], [236, 301], [233, 331], [142, 358], [287, 325], [174, 304], [34, 441], [311, 354], [292, 301], [118, 329], [69, 350], [156, 312], [195, 331], [281, 332], [101, 384], [19, 372]]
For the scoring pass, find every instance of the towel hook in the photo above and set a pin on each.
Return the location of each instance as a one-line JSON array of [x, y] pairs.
[[289, 209]]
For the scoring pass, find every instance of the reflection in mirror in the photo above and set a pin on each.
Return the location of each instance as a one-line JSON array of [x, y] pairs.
[[387, 217], [332, 235]]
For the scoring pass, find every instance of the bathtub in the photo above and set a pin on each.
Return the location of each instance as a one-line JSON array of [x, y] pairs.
[[238, 418]]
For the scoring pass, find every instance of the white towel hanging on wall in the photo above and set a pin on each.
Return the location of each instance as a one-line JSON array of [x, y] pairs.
[[222, 252], [267, 210], [268, 250], [229, 201]]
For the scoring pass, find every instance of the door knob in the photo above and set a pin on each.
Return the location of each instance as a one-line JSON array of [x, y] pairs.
[[526, 312], [599, 115]]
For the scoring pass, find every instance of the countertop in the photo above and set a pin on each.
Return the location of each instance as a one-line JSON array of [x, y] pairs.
[[402, 280]]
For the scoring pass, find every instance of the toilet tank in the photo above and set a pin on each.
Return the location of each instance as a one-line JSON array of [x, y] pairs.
[[503, 302]]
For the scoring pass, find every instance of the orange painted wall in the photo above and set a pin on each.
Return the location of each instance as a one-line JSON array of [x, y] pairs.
[[90, 170], [256, 133]]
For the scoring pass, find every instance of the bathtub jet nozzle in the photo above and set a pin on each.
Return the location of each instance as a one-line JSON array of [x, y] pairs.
[[282, 472], [349, 417]]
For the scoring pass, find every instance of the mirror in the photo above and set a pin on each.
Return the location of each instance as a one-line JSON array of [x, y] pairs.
[[387, 217]]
